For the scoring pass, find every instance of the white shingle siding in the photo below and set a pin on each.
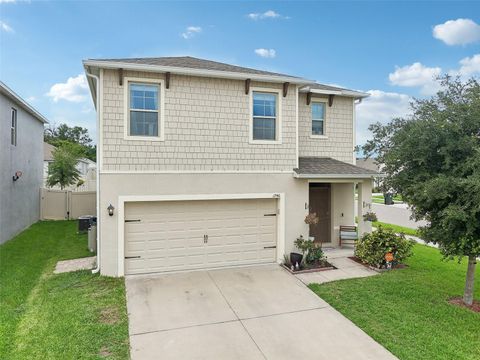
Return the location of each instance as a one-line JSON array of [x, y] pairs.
[[206, 128], [338, 143]]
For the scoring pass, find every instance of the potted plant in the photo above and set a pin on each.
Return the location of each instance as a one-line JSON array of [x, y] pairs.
[[370, 216], [296, 258], [311, 219]]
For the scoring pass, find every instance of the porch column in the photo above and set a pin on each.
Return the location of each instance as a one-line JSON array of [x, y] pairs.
[[364, 205]]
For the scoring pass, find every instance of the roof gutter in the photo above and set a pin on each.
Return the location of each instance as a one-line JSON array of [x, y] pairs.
[[195, 72], [337, 176], [340, 92], [97, 107]]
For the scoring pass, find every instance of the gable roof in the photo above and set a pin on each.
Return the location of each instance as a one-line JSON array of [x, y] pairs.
[[325, 167], [12, 95], [48, 151], [368, 163], [192, 63], [187, 65]]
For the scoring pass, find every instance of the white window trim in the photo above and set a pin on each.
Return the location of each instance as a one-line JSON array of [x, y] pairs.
[[278, 124], [324, 136], [13, 127], [161, 112]]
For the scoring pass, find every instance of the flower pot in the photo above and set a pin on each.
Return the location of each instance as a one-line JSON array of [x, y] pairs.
[[295, 258]]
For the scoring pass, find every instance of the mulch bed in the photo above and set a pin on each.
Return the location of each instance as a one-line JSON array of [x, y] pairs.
[[311, 268], [395, 267], [458, 301]]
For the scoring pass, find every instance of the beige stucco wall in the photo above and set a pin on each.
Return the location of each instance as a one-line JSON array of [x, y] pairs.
[[114, 185], [295, 194], [339, 132], [206, 127], [343, 208]]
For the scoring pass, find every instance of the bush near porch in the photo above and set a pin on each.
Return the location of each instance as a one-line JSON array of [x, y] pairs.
[[372, 247], [67, 316], [407, 311]]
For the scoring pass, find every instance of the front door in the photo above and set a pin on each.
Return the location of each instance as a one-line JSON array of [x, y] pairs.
[[319, 196]]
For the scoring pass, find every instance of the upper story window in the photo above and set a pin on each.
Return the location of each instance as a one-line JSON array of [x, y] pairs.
[[318, 118], [143, 109], [13, 129], [265, 116]]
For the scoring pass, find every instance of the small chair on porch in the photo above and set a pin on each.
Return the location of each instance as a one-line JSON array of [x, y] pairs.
[[348, 235]]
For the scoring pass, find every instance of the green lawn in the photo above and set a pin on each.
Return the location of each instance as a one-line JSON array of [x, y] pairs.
[[396, 228], [379, 199], [407, 310], [66, 316]]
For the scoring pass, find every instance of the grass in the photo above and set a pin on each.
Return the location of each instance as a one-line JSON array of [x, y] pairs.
[[407, 310], [379, 199], [67, 316], [396, 228]]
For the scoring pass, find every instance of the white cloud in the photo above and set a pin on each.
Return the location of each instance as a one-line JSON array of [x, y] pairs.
[[191, 31], [269, 14], [416, 75], [457, 32], [5, 27], [381, 107], [31, 99], [75, 90], [7, 1], [266, 53], [468, 66]]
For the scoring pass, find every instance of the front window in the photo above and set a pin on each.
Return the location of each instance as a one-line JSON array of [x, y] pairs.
[[264, 116], [318, 118], [143, 109], [13, 129]]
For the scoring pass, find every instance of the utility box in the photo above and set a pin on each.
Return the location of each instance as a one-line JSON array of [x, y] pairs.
[[84, 222], [92, 238]]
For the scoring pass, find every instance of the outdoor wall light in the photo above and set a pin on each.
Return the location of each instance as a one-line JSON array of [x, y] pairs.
[[110, 209], [17, 175]]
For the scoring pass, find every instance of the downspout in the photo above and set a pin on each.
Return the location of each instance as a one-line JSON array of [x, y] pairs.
[[97, 107]]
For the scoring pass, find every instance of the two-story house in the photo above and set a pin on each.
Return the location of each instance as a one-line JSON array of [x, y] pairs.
[[203, 164], [21, 145]]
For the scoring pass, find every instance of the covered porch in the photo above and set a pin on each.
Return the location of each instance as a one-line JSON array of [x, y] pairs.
[[332, 185]]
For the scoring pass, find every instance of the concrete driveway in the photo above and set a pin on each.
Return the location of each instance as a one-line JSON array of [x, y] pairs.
[[259, 312]]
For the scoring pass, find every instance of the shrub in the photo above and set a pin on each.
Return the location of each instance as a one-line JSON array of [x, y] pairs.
[[312, 253], [371, 248]]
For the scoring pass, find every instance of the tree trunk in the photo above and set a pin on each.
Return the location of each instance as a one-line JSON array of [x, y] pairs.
[[468, 294]]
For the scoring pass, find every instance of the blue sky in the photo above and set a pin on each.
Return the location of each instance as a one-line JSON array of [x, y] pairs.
[[392, 49]]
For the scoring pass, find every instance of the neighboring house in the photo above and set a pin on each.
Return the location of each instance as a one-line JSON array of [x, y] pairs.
[[204, 164], [371, 164], [86, 167], [21, 141]]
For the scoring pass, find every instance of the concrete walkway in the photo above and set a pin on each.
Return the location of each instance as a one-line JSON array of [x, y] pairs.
[[260, 312], [86, 263]]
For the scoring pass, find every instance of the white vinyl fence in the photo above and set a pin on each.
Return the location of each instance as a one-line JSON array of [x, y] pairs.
[[66, 204]]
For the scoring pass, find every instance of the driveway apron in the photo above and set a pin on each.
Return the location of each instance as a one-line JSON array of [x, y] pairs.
[[259, 312]]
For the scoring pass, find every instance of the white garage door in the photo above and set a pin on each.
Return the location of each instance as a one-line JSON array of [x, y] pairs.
[[180, 235]]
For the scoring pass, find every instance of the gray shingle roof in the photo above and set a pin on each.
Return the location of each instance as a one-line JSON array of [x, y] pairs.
[[369, 163], [193, 63], [324, 166], [48, 151]]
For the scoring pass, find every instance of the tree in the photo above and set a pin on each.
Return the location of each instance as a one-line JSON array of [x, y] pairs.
[[62, 170], [432, 158], [75, 135]]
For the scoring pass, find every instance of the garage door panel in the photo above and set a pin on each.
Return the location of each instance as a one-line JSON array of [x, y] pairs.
[[170, 235]]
